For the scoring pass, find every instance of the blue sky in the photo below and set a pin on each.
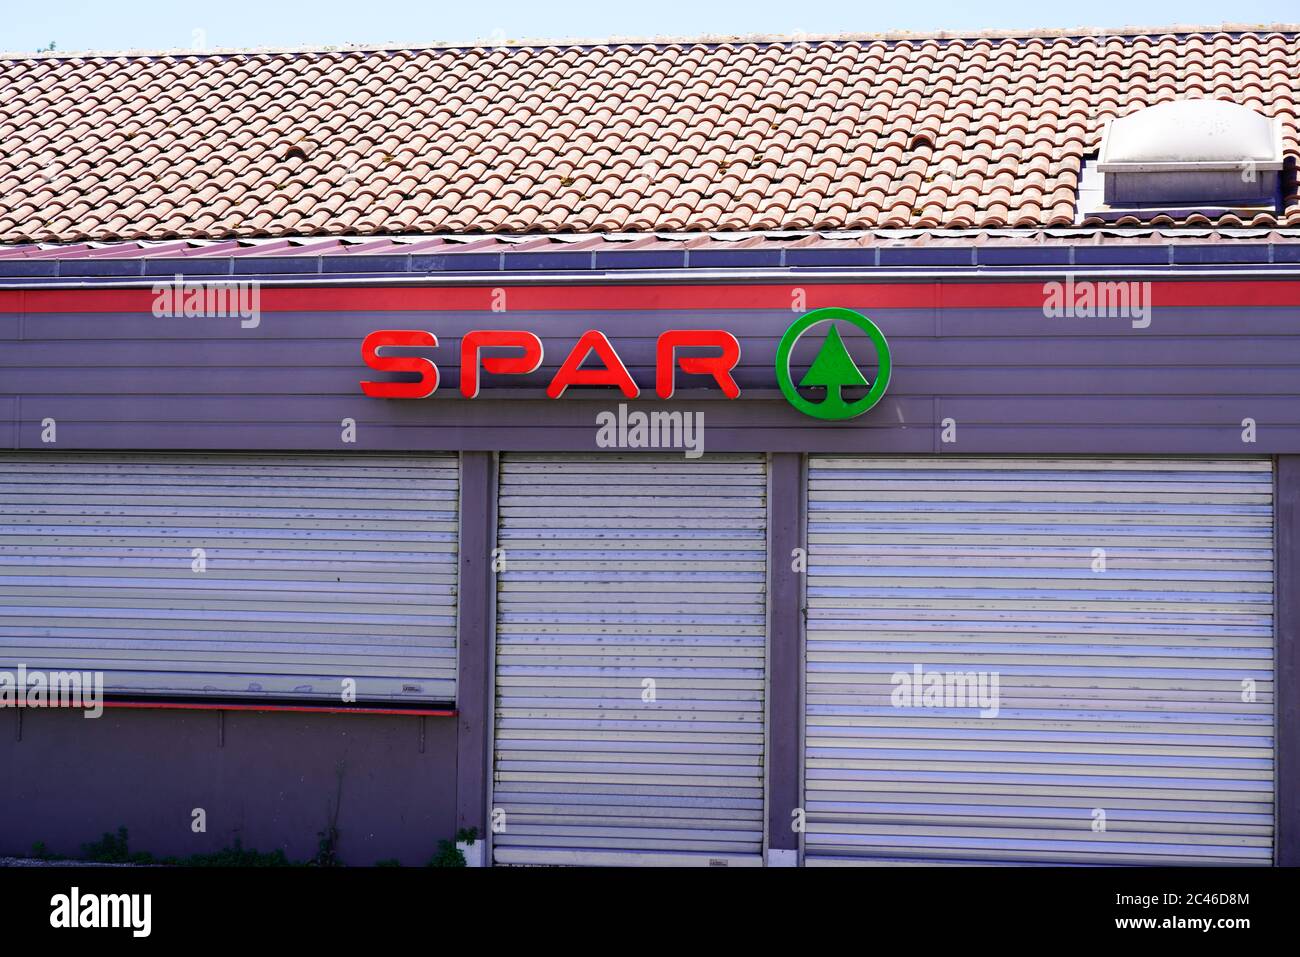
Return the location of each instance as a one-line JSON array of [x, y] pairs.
[[166, 24]]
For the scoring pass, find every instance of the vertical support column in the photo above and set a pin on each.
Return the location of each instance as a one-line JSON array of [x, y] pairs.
[[786, 524], [1286, 685], [475, 634]]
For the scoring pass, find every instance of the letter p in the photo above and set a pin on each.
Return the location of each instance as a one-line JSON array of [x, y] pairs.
[[472, 345]]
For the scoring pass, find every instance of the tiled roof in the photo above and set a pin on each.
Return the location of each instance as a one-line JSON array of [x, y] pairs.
[[827, 134]]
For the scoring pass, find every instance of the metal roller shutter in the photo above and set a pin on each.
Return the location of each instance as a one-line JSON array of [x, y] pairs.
[[1123, 691], [620, 569], [319, 567]]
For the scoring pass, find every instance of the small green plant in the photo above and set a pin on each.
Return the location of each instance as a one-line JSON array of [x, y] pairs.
[[448, 855], [42, 853], [113, 849], [327, 854], [388, 862], [235, 856]]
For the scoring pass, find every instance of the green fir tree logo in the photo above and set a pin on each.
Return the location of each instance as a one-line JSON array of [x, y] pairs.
[[833, 369]]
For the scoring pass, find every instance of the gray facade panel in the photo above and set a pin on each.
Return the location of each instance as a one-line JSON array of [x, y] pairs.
[[272, 780], [534, 429], [1037, 372], [1012, 380], [787, 528], [476, 632], [964, 348]]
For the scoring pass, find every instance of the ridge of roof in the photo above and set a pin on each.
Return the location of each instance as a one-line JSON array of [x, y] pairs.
[[892, 36]]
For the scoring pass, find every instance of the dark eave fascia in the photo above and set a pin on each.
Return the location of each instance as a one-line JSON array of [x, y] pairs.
[[877, 262]]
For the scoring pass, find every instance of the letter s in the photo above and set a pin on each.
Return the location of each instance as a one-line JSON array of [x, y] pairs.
[[421, 388]]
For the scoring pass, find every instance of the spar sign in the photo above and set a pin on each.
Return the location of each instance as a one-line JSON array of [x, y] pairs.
[[593, 361], [527, 358]]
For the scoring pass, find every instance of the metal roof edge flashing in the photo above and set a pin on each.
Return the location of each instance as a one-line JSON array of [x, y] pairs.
[[829, 257]]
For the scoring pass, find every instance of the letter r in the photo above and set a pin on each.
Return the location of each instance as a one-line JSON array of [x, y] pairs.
[[719, 366]]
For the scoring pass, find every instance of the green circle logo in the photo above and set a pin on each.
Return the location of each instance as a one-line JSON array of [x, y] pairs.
[[833, 369]]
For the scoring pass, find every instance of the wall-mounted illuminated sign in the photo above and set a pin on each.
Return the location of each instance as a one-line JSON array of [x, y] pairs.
[[519, 352], [527, 354]]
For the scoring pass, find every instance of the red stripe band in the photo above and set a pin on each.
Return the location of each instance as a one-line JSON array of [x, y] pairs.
[[251, 706], [560, 298]]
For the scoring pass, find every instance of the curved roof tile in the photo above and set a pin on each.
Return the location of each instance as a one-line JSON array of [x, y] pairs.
[[883, 132]]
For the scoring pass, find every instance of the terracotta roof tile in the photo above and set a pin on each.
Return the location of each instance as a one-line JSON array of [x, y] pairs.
[[837, 133]]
